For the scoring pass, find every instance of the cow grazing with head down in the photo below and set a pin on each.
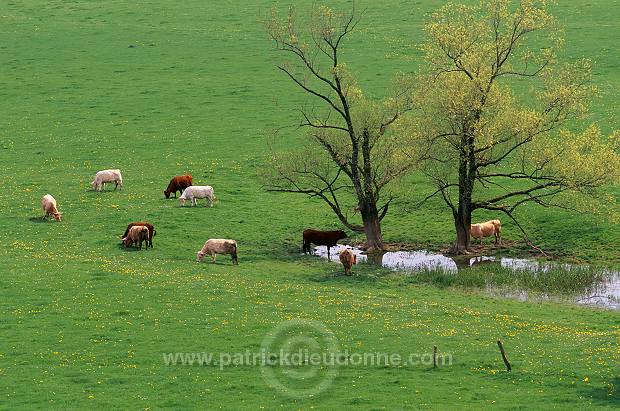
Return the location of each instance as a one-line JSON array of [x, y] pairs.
[[148, 225], [136, 235], [347, 258], [216, 246], [178, 183], [107, 176], [50, 208], [195, 192], [489, 228], [317, 237]]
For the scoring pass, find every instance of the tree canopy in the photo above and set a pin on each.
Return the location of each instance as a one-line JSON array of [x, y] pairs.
[[498, 108]]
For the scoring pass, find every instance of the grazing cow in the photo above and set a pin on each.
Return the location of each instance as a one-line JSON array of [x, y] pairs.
[[136, 235], [195, 192], [347, 258], [216, 246], [148, 225], [492, 227], [317, 237], [48, 204], [178, 183], [107, 176]]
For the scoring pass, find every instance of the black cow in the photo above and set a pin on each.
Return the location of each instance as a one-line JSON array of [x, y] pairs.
[[317, 237]]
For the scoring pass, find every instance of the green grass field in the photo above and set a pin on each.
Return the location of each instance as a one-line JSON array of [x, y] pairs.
[[160, 88]]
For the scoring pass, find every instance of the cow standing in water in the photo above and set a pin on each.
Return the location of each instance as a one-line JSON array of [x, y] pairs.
[[317, 237]]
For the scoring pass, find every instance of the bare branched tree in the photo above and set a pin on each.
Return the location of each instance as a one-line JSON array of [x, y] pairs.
[[353, 149]]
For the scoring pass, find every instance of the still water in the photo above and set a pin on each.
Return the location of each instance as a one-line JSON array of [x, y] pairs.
[[605, 293]]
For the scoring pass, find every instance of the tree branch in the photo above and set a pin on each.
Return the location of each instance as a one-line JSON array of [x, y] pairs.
[[311, 91]]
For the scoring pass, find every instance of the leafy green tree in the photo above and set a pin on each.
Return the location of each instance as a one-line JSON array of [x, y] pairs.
[[497, 105]]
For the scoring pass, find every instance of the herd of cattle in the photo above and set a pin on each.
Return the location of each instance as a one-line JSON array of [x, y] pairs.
[[140, 232]]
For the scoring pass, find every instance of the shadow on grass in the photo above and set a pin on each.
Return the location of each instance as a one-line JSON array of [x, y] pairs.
[[608, 395], [217, 263], [360, 274], [197, 207], [94, 193], [99, 275], [131, 248], [41, 220]]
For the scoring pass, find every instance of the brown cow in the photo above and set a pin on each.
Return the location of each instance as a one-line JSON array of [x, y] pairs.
[[347, 258], [148, 225], [136, 235], [317, 237], [178, 183], [492, 227]]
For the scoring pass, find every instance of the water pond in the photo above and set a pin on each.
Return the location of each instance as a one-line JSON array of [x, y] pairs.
[[603, 292]]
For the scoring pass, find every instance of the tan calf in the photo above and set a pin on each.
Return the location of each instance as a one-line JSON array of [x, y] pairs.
[[347, 258], [136, 235], [489, 228]]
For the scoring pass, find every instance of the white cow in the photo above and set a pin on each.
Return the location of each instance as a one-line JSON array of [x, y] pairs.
[[216, 246], [107, 176], [195, 192], [50, 208]]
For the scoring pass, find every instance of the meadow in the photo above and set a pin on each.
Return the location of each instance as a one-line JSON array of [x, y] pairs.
[[158, 89]]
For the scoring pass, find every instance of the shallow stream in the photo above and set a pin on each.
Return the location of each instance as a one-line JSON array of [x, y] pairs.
[[604, 293]]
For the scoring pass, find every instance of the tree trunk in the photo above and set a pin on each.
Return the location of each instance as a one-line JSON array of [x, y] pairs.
[[462, 215], [375, 259], [462, 243], [374, 239], [462, 219], [372, 228]]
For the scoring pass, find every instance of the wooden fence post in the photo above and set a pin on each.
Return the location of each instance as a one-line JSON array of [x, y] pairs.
[[501, 350]]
